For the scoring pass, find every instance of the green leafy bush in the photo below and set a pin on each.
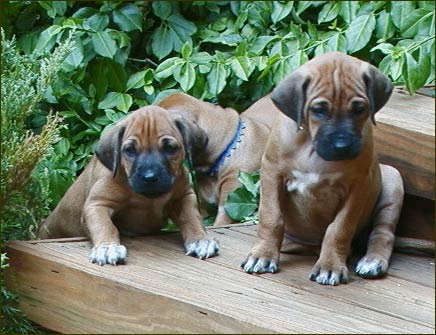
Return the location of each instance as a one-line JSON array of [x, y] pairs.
[[130, 54], [242, 204], [24, 191]]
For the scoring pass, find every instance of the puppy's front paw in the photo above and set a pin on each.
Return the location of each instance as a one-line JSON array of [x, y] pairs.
[[261, 261], [326, 273], [108, 254], [372, 267], [202, 248]]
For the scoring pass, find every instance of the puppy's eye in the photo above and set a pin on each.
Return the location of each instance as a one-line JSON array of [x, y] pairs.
[[169, 147], [319, 111], [130, 151], [358, 108]]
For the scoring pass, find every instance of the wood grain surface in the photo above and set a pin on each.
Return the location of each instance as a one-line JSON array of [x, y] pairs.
[[160, 290]]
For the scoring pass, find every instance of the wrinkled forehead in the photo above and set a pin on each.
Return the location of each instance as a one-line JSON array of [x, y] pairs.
[[337, 80], [149, 124]]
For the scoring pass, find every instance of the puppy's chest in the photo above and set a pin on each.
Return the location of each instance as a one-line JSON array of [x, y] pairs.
[[142, 216], [313, 184]]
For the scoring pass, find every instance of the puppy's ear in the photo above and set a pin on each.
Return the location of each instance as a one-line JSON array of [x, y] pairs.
[[108, 149], [378, 89], [290, 96], [195, 138]]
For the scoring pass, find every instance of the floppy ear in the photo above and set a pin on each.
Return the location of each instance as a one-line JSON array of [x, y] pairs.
[[290, 96], [378, 89], [195, 138], [109, 147]]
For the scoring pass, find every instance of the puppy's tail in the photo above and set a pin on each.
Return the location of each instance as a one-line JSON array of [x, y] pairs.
[[414, 246]]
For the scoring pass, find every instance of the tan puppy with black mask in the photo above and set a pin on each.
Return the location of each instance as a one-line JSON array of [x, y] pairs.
[[320, 176], [235, 143], [132, 185]]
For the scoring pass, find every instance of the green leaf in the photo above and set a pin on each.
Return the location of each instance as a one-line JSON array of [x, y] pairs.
[[136, 80], [162, 41], [149, 89], [337, 42], [386, 48], [412, 24], [162, 9], [166, 68], [182, 30], [348, 10], [74, 59], [298, 59], [185, 76], [103, 44], [186, 50], [84, 12], [321, 49], [359, 32], [329, 12], [54, 8], [250, 182], [280, 10], [302, 6], [97, 22], [122, 101], [128, 18], [384, 28], [396, 68], [260, 43], [201, 58], [240, 204], [110, 100], [242, 67], [216, 79], [126, 102], [415, 73], [400, 11], [47, 38]]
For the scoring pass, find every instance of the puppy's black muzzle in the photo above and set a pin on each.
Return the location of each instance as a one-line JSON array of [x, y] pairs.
[[151, 176], [338, 145]]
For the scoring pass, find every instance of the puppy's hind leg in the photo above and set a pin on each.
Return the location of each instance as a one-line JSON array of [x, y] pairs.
[[386, 214], [229, 185]]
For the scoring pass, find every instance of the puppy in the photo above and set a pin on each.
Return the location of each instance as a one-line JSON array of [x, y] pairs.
[[133, 184], [320, 176], [236, 143]]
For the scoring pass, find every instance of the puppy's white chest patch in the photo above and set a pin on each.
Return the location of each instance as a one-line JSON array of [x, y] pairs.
[[302, 181]]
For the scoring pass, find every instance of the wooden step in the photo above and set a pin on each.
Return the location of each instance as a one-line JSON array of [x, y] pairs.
[[160, 290], [405, 139]]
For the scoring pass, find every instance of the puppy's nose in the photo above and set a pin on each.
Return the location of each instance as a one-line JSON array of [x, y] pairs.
[[341, 142], [150, 177]]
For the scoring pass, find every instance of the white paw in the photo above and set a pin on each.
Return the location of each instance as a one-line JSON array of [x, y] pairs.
[[108, 254], [202, 248], [371, 267]]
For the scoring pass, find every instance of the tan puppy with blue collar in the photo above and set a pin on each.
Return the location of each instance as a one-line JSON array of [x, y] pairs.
[[235, 143], [321, 182]]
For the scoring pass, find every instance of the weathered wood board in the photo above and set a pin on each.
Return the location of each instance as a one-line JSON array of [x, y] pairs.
[[405, 138], [160, 290]]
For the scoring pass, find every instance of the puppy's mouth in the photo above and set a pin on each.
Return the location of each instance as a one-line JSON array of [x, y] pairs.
[[152, 194]]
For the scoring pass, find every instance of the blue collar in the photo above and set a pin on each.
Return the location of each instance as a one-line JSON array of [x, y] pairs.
[[240, 131]]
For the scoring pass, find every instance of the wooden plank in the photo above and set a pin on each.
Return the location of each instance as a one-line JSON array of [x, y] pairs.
[[160, 290], [404, 138]]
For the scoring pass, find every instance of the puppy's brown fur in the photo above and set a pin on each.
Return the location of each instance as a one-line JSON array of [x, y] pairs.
[[220, 125], [309, 201], [113, 193]]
